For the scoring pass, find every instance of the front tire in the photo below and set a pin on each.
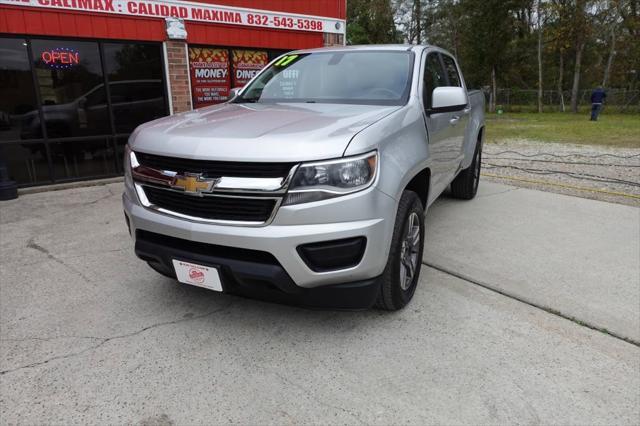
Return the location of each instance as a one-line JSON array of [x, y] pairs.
[[465, 185], [400, 277], [160, 269]]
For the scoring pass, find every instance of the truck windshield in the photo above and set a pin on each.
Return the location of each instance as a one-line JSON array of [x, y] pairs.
[[365, 77]]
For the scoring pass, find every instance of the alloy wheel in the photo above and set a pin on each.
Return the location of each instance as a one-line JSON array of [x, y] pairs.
[[409, 251], [476, 169]]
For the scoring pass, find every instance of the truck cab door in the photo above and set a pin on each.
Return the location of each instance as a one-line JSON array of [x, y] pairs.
[[442, 128], [459, 119]]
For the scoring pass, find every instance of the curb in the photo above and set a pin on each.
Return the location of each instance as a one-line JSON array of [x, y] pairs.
[[69, 185]]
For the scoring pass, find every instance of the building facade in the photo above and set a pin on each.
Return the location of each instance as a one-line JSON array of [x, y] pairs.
[[77, 76]]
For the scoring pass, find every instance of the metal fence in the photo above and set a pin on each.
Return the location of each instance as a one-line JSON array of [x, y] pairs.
[[516, 100]]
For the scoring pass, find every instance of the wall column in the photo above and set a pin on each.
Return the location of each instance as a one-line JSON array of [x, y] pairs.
[[178, 76]]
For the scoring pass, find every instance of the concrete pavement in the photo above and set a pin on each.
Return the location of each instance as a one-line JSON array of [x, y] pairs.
[[576, 256], [89, 334]]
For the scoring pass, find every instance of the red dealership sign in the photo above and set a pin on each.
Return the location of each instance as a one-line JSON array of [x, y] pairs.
[[192, 11]]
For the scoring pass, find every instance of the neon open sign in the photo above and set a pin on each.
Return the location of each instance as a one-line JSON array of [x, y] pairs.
[[60, 57]]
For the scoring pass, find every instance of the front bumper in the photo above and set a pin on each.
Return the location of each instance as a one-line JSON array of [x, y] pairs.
[[251, 273], [369, 213]]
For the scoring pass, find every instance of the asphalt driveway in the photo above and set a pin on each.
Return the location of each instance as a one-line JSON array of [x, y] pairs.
[[499, 330]]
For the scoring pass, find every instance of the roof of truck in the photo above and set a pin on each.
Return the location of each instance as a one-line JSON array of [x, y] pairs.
[[391, 47]]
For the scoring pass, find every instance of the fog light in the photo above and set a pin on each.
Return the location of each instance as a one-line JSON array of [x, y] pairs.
[[333, 255]]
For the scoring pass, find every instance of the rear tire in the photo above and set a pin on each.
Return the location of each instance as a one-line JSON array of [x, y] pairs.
[[401, 274], [465, 185]]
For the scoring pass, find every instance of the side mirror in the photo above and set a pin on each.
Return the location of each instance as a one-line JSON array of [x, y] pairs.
[[447, 99], [234, 92]]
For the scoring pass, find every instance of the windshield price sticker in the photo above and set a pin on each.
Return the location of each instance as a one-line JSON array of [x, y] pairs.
[[286, 60]]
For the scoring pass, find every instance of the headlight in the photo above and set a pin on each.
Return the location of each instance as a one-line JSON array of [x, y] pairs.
[[328, 179], [129, 161]]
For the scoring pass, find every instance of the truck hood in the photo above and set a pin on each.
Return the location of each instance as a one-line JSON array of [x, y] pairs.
[[258, 132]]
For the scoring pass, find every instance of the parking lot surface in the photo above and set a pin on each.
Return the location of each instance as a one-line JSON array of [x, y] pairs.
[[572, 255], [90, 334]]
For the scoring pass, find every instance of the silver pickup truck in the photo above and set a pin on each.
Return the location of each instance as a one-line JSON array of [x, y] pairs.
[[310, 185]]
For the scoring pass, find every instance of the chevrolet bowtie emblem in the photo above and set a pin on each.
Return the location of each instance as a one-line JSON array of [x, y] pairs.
[[193, 183]]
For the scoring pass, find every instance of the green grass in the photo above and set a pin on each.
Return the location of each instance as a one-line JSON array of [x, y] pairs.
[[611, 129]]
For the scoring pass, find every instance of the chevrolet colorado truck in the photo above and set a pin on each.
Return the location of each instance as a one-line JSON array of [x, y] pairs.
[[310, 185]]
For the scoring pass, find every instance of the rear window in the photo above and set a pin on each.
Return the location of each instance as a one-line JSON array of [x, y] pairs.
[[451, 70]]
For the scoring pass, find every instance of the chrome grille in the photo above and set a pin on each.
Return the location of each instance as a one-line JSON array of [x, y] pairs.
[[212, 207], [238, 193], [215, 168]]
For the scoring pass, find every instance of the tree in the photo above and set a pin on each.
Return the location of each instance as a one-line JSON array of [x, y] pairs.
[[517, 44], [417, 17], [408, 17], [539, 21], [559, 36], [611, 21], [580, 30], [370, 22], [443, 23], [628, 52], [487, 45]]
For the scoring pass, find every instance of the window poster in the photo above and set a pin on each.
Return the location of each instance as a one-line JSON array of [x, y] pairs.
[[246, 64], [210, 82]]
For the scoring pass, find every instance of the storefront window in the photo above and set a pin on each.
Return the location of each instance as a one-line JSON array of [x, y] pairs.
[[210, 80], [26, 162], [78, 104], [214, 71], [18, 107], [134, 72], [78, 159], [246, 64], [72, 91]]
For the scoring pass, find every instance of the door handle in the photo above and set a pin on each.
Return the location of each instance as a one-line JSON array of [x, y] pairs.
[[454, 120]]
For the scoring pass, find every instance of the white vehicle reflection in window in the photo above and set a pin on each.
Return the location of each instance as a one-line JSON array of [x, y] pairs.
[[133, 102]]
